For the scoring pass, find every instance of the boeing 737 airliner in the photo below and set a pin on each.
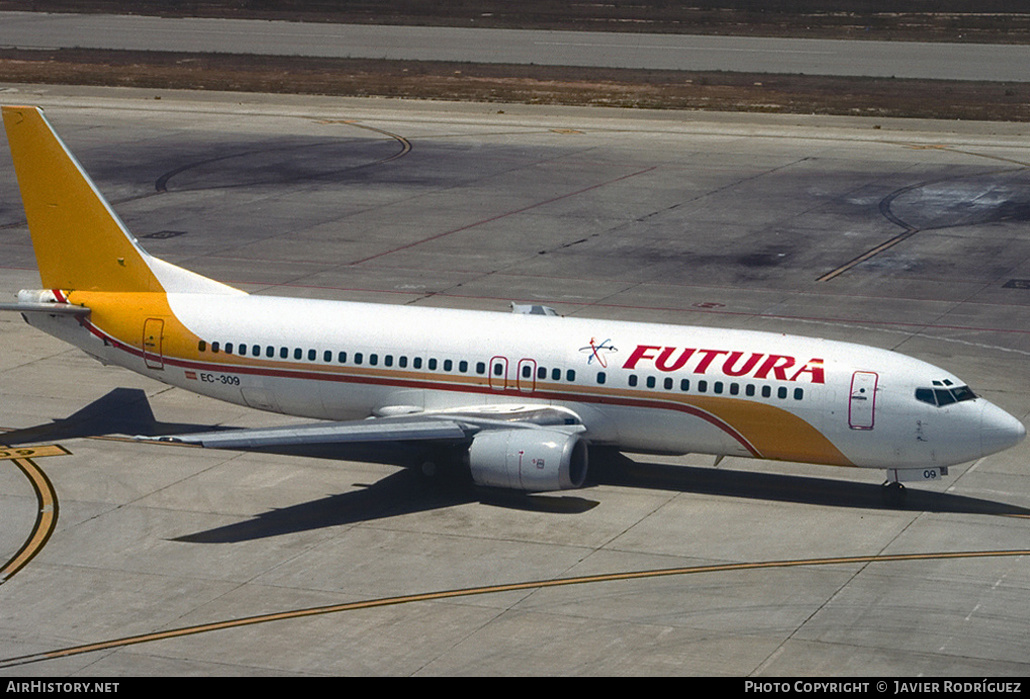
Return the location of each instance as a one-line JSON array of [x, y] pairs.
[[523, 396]]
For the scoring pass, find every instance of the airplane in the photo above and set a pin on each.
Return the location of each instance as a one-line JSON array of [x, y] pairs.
[[522, 398]]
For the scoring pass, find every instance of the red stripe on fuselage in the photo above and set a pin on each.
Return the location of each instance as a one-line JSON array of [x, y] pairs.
[[339, 377]]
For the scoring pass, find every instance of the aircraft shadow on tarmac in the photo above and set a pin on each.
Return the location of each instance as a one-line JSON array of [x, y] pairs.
[[123, 411], [126, 411]]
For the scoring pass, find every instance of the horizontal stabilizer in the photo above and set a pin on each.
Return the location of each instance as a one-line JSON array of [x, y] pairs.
[[51, 308]]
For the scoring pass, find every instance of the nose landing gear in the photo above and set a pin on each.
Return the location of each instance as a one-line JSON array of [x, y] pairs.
[[894, 491]]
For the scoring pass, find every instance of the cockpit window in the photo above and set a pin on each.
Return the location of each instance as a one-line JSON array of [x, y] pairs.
[[944, 396], [962, 393]]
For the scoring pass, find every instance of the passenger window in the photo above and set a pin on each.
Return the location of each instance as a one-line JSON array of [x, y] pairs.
[[601, 378], [684, 384], [570, 375], [341, 357], [527, 372], [448, 365], [650, 382], [402, 361], [556, 374], [432, 365], [667, 383], [463, 366], [766, 391], [327, 356], [312, 355], [388, 360], [298, 353], [480, 367], [373, 359], [256, 350], [632, 379], [702, 386], [358, 357], [799, 394], [781, 392], [228, 348], [417, 362], [270, 352], [541, 373], [214, 347], [284, 353], [201, 346], [718, 387]]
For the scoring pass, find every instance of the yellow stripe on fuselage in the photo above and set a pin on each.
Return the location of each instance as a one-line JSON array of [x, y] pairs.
[[775, 432]]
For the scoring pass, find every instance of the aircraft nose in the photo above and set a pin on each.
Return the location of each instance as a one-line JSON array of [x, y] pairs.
[[998, 430]]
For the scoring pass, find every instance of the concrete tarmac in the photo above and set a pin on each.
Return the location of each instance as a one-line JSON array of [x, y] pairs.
[[909, 235]]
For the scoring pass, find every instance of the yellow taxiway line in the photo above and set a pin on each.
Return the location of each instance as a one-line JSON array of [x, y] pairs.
[[46, 515], [532, 585]]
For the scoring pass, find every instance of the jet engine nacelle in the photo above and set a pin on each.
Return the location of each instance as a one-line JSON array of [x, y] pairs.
[[528, 459]]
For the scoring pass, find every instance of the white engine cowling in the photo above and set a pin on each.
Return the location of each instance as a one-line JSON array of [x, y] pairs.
[[528, 459]]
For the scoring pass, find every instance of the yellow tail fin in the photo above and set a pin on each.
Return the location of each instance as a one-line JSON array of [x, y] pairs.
[[80, 242]]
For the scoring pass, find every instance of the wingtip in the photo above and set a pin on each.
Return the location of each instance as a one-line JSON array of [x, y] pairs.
[[163, 439]]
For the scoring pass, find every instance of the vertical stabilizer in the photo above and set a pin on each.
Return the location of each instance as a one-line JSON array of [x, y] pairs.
[[80, 242]]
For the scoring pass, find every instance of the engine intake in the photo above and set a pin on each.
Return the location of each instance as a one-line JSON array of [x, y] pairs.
[[528, 459]]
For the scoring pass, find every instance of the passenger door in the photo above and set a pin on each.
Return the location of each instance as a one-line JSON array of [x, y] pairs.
[[862, 403], [153, 332]]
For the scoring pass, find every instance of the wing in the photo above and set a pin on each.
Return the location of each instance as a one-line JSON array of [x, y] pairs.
[[524, 447], [447, 425]]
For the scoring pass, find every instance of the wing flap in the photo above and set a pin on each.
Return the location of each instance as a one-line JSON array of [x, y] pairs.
[[376, 430]]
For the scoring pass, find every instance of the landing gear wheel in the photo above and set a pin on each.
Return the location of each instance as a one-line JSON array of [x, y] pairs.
[[893, 493]]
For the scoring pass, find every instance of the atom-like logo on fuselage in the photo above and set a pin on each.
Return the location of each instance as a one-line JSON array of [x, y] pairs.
[[598, 351]]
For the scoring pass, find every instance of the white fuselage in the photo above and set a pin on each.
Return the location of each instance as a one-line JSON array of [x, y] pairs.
[[636, 386]]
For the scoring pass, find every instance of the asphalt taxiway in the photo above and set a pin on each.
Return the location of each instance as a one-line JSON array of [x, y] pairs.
[[125, 558], [751, 54]]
